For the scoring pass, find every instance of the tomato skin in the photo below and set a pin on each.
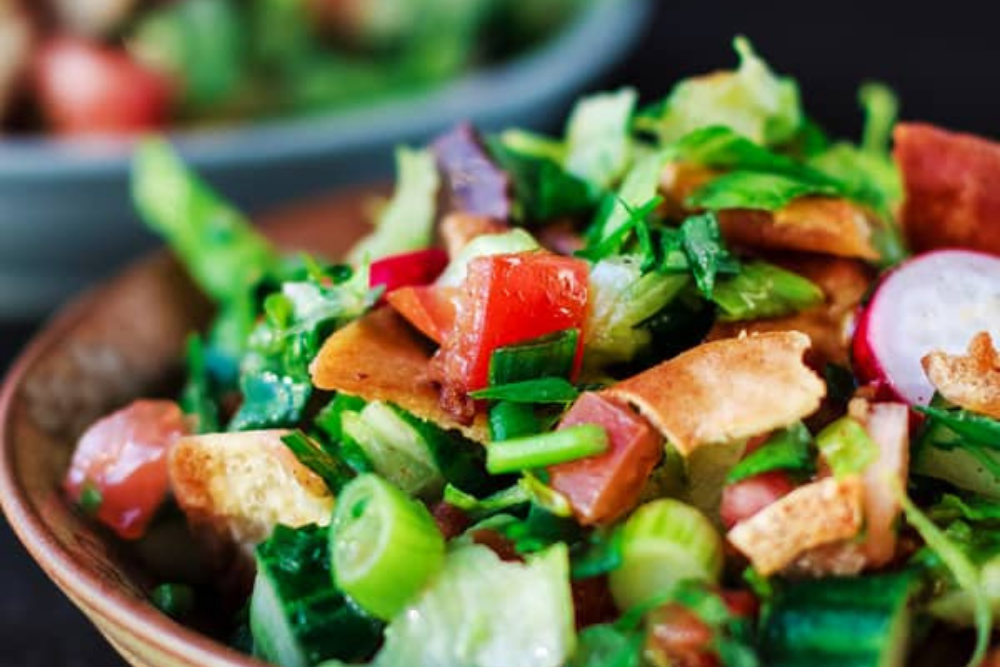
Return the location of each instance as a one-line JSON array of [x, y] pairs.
[[429, 308], [86, 88], [741, 603], [411, 268], [507, 299], [678, 638], [602, 488], [747, 497], [124, 457]]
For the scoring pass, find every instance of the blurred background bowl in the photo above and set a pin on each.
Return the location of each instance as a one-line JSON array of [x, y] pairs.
[[65, 214]]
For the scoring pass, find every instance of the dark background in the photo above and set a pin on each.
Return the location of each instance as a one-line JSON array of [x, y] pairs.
[[943, 62]]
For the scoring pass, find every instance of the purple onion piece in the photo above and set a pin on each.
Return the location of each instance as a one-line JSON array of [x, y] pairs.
[[477, 185]]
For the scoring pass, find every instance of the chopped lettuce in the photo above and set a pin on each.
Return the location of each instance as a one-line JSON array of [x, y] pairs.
[[638, 188], [274, 373], [543, 188], [483, 612], [621, 299], [752, 100], [516, 240], [597, 137], [218, 246], [761, 290], [753, 190], [407, 221]]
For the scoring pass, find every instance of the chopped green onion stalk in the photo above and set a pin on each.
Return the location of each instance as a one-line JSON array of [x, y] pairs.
[[512, 420], [663, 543], [384, 545], [312, 455], [542, 390], [547, 449], [846, 446], [548, 356], [478, 508]]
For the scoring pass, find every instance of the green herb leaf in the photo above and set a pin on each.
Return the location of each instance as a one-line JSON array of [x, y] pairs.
[[513, 420], [753, 190], [607, 646], [761, 290], [702, 244], [543, 189], [174, 600], [972, 508], [542, 390], [788, 449], [979, 429], [479, 508], [599, 554], [312, 455], [637, 190], [196, 398], [846, 446], [91, 498]]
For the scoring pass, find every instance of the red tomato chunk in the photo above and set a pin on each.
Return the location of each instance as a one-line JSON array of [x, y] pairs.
[[429, 308], [602, 488], [508, 299], [123, 457], [747, 497], [86, 88]]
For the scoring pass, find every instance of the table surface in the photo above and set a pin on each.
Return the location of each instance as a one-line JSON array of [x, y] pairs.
[[942, 64]]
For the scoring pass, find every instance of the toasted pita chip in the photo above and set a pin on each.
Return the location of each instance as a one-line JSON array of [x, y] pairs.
[[952, 188], [379, 358], [726, 390], [844, 281], [825, 225], [678, 181], [972, 380], [819, 513], [236, 487]]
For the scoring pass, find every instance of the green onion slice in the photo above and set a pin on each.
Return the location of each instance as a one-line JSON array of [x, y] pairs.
[[539, 451], [384, 545], [548, 356]]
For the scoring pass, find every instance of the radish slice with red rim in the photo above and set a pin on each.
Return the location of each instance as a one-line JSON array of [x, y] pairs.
[[936, 301]]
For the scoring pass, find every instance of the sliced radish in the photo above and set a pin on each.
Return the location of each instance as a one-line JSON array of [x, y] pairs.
[[936, 301]]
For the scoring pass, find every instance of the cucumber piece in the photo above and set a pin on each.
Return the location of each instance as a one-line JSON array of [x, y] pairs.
[[297, 617], [839, 621]]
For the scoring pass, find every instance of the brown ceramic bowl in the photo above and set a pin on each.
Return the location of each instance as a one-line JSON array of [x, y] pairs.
[[116, 343]]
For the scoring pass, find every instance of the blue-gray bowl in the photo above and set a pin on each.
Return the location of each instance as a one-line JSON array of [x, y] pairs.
[[65, 213]]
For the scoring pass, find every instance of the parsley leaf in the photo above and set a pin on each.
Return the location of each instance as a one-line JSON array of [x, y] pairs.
[[789, 449], [542, 390]]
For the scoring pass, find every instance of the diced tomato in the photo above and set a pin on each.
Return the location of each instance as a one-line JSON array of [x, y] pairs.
[[741, 603], [508, 299], [602, 488], [678, 638], [85, 88], [429, 308], [123, 458], [420, 267], [747, 497]]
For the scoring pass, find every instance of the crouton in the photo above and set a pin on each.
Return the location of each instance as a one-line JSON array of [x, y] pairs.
[[843, 281], [824, 225], [972, 380], [952, 184], [819, 513], [93, 18], [379, 358], [726, 390], [457, 229], [236, 487]]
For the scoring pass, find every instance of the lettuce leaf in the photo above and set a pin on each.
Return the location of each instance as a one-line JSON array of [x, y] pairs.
[[751, 100], [483, 612], [407, 221], [224, 254], [789, 449], [761, 290], [597, 137]]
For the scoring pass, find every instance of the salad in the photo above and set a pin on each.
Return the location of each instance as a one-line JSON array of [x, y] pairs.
[[85, 67], [691, 384]]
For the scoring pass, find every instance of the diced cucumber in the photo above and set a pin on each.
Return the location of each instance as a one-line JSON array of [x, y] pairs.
[[839, 621], [297, 617]]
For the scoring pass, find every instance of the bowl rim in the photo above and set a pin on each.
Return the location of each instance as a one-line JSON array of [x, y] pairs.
[[583, 49], [134, 618]]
